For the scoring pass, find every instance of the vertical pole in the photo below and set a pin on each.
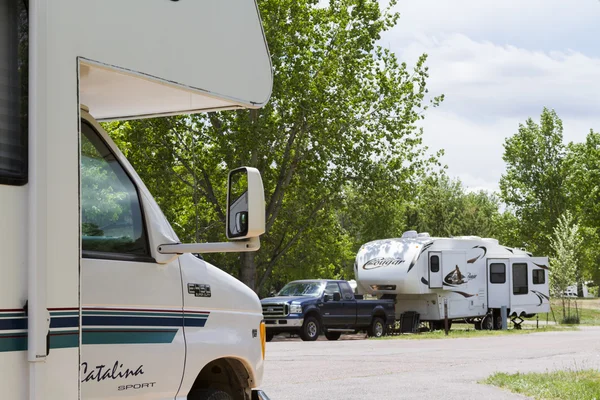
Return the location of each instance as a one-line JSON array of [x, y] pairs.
[[446, 316], [537, 321], [503, 315]]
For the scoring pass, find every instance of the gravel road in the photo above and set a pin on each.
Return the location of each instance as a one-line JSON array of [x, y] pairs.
[[419, 369]]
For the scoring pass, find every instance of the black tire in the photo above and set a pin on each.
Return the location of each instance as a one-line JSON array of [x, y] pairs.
[[310, 329], [497, 321], [333, 335], [440, 325], [487, 323], [269, 336], [377, 328], [208, 394]]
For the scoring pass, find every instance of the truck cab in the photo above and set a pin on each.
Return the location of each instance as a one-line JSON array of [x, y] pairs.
[[311, 307], [98, 297]]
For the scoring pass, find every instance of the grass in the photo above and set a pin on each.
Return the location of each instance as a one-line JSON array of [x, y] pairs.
[[558, 385], [467, 331], [589, 311]]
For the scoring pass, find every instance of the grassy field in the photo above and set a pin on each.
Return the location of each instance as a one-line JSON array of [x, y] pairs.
[[589, 311], [467, 331], [559, 385]]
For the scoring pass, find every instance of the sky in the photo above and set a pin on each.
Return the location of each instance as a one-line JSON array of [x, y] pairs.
[[499, 63]]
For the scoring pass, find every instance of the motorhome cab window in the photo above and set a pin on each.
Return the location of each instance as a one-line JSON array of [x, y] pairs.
[[497, 273], [520, 284], [539, 277], [435, 264], [13, 92], [111, 216]]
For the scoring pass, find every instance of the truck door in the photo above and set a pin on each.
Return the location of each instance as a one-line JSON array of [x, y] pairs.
[[332, 311], [435, 270], [132, 313], [498, 283]]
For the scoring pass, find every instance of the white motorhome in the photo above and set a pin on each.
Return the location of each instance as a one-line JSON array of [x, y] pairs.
[[474, 277], [98, 297]]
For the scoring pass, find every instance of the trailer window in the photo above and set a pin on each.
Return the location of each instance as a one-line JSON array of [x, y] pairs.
[[519, 276], [434, 263], [14, 66], [539, 277], [497, 273], [111, 215]]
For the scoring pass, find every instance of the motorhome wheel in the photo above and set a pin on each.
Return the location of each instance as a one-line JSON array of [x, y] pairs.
[[333, 335], [208, 394], [310, 329]]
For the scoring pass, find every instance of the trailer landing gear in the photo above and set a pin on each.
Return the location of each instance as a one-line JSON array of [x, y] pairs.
[[517, 321]]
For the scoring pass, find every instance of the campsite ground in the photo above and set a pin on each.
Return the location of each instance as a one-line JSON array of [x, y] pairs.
[[420, 369]]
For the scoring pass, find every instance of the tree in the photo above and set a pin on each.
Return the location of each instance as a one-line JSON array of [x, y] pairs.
[[533, 185], [341, 108], [566, 244]]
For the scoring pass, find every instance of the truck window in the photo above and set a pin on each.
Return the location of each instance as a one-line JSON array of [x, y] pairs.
[[520, 284], [111, 215], [331, 288], [497, 273], [14, 54], [539, 277], [347, 293]]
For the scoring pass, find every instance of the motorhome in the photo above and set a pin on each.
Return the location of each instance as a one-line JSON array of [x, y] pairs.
[[99, 298], [466, 278]]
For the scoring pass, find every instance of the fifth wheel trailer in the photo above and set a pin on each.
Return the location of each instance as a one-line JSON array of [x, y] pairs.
[[475, 277], [98, 297]]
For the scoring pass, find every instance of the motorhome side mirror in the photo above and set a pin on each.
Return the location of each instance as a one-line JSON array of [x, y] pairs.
[[337, 296], [245, 204]]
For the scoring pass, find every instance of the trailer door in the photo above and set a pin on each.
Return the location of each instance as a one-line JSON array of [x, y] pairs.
[[498, 283], [435, 270]]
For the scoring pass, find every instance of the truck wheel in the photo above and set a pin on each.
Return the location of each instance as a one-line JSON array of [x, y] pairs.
[[377, 328], [269, 336], [208, 394], [333, 335], [310, 329]]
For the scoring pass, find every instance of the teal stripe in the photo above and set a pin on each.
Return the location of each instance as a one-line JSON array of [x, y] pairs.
[[14, 343], [64, 313], [13, 315], [64, 339], [129, 336]]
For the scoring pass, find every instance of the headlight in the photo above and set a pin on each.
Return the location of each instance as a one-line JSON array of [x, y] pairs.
[[296, 309]]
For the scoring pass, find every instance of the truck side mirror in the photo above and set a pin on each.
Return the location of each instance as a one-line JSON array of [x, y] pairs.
[[326, 298], [337, 296], [245, 204]]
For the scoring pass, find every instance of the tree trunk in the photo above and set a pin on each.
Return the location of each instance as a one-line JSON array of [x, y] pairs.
[[248, 269]]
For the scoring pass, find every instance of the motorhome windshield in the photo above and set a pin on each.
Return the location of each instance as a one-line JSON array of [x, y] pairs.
[[313, 289]]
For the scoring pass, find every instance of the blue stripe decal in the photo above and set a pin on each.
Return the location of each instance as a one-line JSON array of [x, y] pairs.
[[13, 323], [64, 322], [198, 322]]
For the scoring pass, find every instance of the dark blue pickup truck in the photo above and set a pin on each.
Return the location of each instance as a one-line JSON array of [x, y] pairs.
[[311, 307]]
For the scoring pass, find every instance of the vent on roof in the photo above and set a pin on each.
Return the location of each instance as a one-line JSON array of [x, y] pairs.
[[410, 234]]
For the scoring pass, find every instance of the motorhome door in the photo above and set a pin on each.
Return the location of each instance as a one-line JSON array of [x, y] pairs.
[[498, 283], [435, 270]]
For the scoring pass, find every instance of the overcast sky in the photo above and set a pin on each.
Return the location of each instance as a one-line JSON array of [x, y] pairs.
[[499, 63]]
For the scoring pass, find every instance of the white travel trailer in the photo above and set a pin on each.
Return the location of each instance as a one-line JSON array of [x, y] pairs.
[[474, 277], [98, 297]]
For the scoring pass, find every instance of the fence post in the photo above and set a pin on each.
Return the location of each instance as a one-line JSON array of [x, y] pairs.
[[503, 315], [446, 316]]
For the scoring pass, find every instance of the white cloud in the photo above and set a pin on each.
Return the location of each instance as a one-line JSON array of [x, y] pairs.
[[490, 89]]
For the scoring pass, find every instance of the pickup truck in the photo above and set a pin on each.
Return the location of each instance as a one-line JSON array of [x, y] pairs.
[[311, 307]]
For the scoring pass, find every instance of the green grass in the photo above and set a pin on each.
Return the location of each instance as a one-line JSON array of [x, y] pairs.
[[467, 331], [588, 316], [559, 385]]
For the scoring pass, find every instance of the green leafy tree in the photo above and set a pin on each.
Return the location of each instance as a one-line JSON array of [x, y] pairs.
[[566, 244], [533, 185], [342, 107]]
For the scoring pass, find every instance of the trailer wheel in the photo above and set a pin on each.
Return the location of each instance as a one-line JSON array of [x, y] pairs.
[[487, 323], [310, 329], [333, 335], [269, 336], [377, 328], [498, 322]]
